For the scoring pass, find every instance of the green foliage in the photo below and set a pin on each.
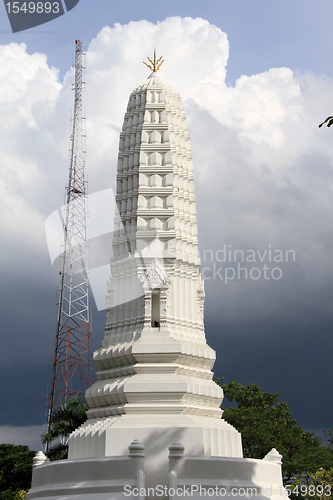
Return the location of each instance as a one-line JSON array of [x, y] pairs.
[[58, 451], [329, 435], [63, 421], [20, 495], [15, 471], [13, 495], [316, 486], [265, 423]]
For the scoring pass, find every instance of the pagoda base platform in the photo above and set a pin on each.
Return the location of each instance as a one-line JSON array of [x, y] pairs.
[[201, 436], [117, 478]]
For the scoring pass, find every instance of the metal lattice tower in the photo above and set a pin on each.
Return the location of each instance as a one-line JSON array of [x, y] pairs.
[[71, 367]]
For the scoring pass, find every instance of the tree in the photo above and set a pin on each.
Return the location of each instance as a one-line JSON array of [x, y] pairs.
[[317, 486], [15, 470], [329, 435], [63, 421], [265, 423]]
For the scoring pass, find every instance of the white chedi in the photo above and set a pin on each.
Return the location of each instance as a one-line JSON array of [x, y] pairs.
[[154, 366]]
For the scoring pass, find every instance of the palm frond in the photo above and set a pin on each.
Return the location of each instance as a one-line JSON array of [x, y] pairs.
[[63, 421], [58, 452]]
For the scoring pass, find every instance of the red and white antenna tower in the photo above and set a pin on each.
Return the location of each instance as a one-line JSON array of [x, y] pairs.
[[71, 367]]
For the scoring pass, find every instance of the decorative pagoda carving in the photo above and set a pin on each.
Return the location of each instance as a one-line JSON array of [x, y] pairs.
[[155, 277]]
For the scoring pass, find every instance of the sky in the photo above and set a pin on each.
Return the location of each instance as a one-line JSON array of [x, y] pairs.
[[256, 79]]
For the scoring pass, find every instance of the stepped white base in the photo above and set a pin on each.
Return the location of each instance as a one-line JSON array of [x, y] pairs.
[[117, 478], [201, 436]]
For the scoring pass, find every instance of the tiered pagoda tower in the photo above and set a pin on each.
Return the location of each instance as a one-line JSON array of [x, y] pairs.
[[155, 419], [154, 380]]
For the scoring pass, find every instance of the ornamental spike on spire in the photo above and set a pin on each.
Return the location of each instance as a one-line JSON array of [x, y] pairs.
[[155, 64]]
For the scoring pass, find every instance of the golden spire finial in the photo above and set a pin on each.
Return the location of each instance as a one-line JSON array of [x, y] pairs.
[[155, 64]]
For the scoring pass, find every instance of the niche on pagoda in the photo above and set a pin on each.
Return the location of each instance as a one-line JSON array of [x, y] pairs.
[[155, 283]]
